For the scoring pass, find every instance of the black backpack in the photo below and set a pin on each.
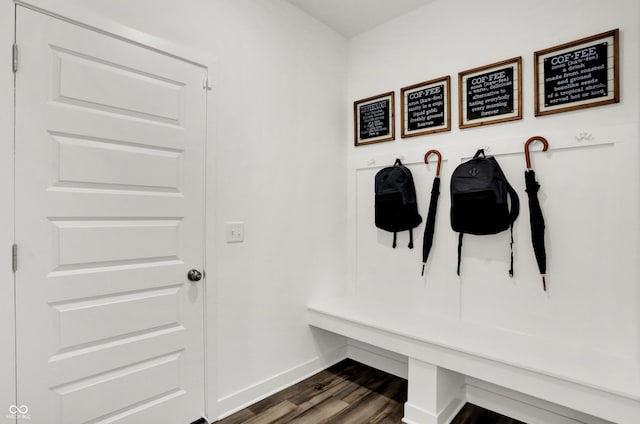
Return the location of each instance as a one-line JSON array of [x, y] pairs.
[[396, 207], [479, 192]]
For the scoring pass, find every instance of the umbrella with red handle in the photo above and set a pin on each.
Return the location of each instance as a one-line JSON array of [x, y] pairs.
[[535, 211]]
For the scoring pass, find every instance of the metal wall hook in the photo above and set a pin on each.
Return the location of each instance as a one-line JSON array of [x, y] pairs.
[[584, 136]]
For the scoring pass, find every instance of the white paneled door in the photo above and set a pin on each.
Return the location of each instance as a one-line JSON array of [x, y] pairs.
[[110, 140]]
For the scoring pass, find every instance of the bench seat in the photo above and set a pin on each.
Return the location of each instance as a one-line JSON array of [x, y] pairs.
[[442, 353]]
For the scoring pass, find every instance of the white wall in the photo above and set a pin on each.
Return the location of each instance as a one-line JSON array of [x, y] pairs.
[[280, 168], [590, 188]]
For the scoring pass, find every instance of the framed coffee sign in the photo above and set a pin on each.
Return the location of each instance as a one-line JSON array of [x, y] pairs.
[[374, 119], [580, 74], [426, 107], [490, 94]]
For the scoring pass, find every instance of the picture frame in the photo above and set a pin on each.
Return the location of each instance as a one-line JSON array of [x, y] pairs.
[[576, 75], [426, 107], [374, 119], [490, 94]]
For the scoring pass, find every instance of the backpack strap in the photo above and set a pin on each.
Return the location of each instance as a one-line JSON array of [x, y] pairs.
[[478, 153], [513, 214], [515, 203], [459, 251], [395, 238], [511, 247]]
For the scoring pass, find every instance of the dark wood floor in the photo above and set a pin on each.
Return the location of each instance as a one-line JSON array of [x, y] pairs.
[[347, 393]]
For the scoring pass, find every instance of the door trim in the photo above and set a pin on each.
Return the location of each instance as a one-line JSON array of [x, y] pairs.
[[7, 294], [87, 19]]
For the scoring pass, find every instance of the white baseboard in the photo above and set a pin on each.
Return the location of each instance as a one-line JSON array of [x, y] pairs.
[[269, 386], [381, 359], [452, 409], [522, 407], [415, 415]]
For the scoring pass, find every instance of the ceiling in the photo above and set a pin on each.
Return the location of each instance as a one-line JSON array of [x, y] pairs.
[[352, 17]]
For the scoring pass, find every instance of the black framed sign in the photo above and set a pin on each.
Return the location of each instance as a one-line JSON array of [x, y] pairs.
[[374, 119], [426, 107], [490, 94], [580, 74]]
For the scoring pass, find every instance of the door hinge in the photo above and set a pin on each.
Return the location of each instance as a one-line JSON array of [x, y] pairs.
[[205, 84], [14, 257], [15, 58]]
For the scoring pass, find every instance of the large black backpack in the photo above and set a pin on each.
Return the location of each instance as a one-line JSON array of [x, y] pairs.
[[396, 208], [479, 192]]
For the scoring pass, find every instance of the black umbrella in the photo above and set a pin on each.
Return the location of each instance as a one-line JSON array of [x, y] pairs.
[[535, 212], [433, 206]]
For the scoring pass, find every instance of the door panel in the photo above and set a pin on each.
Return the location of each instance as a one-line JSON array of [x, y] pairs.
[[110, 141], [103, 163], [121, 90]]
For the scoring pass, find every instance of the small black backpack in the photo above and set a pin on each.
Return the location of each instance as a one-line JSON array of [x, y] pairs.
[[479, 192], [396, 208]]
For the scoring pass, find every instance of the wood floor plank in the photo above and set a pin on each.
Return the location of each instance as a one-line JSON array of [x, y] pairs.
[[275, 399], [324, 412], [275, 413], [329, 383], [320, 396], [393, 411], [374, 384], [368, 408], [376, 405], [239, 417]]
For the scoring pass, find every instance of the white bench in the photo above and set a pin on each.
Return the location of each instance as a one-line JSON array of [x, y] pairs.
[[450, 363]]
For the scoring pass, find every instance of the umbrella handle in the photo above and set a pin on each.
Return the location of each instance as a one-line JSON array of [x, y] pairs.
[[545, 144], [437, 153]]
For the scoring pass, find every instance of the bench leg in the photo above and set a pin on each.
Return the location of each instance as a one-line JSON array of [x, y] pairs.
[[435, 394]]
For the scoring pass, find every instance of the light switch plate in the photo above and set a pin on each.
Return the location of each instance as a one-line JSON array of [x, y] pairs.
[[235, 232]]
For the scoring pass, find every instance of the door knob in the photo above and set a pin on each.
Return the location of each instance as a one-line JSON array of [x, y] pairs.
[[194, 275]]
